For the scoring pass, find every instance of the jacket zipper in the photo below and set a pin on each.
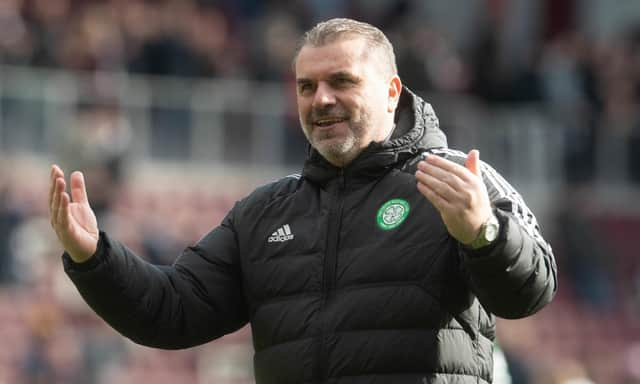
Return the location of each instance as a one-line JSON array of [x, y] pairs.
[[329, 274]]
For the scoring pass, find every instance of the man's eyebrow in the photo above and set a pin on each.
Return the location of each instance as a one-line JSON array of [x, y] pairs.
[[333, 76], [343, 74]]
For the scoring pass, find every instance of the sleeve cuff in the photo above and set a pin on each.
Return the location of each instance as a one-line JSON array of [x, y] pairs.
[[90, 264], [487, 250], [500, 253]]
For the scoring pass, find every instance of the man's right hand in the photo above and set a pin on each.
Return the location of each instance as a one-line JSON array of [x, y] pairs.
[[72, 219]]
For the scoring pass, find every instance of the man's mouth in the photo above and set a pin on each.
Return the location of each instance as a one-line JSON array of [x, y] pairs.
[[326, 122]]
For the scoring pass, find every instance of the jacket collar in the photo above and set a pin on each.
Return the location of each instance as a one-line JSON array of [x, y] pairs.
[[417, 129]]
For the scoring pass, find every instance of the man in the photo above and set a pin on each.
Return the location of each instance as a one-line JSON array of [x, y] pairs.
[[384, 262]]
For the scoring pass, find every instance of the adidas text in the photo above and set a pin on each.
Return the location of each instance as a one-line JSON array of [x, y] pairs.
[[282, 234]]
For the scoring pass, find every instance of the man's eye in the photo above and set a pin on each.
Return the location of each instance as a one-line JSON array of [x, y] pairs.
[[304, 88], [344, 81]]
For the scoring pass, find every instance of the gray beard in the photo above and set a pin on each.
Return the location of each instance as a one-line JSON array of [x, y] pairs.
[[340, 154], [343, 153]]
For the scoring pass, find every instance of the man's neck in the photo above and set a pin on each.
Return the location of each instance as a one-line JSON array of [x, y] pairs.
[[393, 128]]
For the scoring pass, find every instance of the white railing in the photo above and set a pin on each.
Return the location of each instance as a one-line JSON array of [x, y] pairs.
[[38, 105], [222, 124]]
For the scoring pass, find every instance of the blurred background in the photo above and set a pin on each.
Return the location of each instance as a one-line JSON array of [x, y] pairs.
[[174, 109]]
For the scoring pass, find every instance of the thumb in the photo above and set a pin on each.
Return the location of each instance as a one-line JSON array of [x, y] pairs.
[[473, 162]]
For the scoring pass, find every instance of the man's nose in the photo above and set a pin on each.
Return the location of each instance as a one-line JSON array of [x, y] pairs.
[[324, 96]]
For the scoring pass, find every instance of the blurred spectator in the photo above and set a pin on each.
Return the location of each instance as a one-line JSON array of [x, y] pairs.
[[36, 368], [209, 33], [497, 80], [566, 372], [620, 119], [427, 59], [325, 9], [585, 255], [49, 23], [501, 374], [274, 44], [10, 219], [101, 351], [98, 142], [569, 84], [17, 41], [163, 51], [92, 41]]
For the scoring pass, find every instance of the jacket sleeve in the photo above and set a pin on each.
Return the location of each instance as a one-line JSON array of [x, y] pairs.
[[517, 275], [195, 300]]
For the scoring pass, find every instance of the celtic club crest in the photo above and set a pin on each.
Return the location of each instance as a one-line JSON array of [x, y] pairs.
[[392, 213]]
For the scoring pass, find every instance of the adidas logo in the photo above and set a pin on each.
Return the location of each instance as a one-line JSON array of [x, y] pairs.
[[282, 234]]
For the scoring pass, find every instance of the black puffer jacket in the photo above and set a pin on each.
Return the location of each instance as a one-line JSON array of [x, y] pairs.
[[346, 275]]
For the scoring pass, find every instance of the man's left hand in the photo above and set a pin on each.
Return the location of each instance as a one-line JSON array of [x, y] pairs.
[[457, 192]]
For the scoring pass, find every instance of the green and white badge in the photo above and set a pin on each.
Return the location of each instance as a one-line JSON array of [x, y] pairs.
[[392, 213]]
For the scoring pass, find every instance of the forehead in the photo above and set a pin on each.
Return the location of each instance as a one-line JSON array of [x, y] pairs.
[[346, 55]]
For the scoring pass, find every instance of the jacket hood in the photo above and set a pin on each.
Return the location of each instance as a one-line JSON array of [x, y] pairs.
[[416, 125], [417, 129]]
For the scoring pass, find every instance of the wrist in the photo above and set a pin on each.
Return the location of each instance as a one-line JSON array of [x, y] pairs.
[[488, 234], [90, 262], [84, 251], [80, 255]]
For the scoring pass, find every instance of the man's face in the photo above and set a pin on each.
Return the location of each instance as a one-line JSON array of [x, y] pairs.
[[343, 98]]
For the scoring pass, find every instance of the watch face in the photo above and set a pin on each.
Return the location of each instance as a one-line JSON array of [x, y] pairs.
[[491, 230]]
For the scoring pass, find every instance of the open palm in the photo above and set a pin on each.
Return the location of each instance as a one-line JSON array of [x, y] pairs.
[[72, 218]]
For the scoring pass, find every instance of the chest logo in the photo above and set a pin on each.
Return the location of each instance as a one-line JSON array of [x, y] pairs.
[[392, 213], [281, 235]]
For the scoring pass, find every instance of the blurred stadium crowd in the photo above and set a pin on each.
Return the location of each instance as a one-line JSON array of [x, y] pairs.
[[584, 72], [499, 51]]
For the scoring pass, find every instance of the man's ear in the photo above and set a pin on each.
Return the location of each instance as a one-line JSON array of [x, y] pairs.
[[395, 88]]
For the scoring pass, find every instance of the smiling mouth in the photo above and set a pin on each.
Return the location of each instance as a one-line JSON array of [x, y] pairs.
[[329, 121]]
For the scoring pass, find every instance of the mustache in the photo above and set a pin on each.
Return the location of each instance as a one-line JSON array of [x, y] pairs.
[[328, 112]]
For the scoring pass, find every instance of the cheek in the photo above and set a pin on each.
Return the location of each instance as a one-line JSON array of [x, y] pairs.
[[365, 109], [300, 104], [303, 110], [376, 106], [358, 106]]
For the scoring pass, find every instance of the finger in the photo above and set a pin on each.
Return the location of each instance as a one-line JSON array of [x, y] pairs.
[[440, 187], [55, 173], [473, 162], [63, 212], [59, 186], [52, 183], [455, 182], [78, 188], [449, 166], [440, 203]]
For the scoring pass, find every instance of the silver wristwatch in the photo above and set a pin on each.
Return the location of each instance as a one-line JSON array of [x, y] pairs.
[[489, 231]]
